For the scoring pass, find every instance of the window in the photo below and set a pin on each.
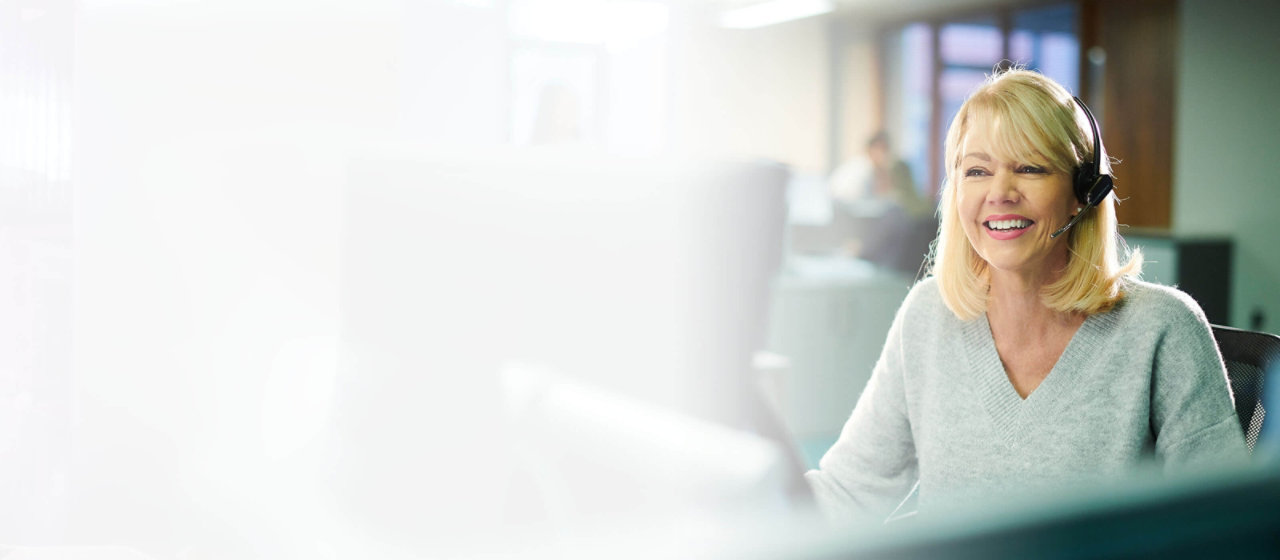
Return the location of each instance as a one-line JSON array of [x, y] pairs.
[[937, 64]]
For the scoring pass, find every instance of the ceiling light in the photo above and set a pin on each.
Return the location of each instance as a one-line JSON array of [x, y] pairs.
[[772, 12]]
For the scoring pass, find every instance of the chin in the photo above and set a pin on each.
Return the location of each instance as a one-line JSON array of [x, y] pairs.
[[1010, 263]]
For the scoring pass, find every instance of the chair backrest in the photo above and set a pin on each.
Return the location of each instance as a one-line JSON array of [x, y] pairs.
[[1248, 356]]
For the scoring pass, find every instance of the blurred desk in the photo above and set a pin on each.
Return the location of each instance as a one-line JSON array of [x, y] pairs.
[[1201, 266], [830, 316]]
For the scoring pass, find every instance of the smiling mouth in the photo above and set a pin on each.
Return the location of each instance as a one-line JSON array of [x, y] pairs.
[[1007, 225]]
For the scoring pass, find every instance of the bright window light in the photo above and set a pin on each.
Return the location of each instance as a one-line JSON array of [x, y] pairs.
[[773, 12], [587, 21]]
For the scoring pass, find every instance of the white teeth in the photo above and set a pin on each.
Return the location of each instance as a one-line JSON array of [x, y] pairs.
[[1008, 224]]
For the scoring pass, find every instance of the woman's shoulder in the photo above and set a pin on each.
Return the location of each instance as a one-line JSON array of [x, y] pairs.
[[925, 289], [925, 298], [1148, 301]]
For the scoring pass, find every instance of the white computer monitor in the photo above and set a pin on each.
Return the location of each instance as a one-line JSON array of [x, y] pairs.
[[644, 278]]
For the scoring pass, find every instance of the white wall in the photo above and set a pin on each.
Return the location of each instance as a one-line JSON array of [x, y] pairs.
[[859, 93], [755, 92], [1227, 133]]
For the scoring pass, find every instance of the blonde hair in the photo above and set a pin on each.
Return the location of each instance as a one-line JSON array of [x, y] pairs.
[[1041, 123]]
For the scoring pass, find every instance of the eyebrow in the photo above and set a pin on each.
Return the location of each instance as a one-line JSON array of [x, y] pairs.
[[980, 155]]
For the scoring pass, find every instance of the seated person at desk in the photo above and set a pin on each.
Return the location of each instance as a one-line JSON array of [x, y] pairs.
[[1032, 359], [897, 222]]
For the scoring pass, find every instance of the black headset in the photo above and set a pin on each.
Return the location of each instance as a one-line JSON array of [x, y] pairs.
[[1091, 185]]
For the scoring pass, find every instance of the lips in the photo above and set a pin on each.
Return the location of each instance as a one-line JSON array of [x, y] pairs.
[[1007, 226], [1003, 225]]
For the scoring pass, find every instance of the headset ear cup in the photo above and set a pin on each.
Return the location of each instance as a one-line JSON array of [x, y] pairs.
[[1101, 188], [1083, 184]]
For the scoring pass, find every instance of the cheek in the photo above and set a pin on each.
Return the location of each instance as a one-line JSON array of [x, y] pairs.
[[967, 205], [1069, 202], [967, 212]]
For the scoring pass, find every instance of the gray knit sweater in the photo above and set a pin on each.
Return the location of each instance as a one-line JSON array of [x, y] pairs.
[[1141, 383]]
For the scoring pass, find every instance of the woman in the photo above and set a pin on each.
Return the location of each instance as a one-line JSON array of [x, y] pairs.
[[1028, 361]]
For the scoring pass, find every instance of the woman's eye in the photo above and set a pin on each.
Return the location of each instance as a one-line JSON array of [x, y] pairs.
[[975, 172], [1031, 169]]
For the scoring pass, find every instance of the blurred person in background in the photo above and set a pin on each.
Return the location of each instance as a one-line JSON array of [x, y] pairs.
[[898, 223], [1029, 361], [891, 178], [559, 117]]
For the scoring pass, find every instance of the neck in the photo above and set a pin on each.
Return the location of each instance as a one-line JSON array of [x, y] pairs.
[[1015, 300]]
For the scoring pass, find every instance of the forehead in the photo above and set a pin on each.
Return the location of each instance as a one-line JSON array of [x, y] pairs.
[[978, 135], [996, 137]]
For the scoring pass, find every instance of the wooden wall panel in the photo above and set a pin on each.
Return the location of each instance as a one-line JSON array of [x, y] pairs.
[[1140, 39]]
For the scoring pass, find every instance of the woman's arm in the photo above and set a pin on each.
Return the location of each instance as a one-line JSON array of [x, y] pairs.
[[1192, 413], [872, 466]]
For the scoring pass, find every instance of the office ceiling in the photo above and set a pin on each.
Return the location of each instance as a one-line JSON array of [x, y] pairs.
[[892, 9], [882, 10]]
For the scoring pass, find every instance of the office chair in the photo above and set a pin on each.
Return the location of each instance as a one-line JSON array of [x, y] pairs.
[[1249, 356]]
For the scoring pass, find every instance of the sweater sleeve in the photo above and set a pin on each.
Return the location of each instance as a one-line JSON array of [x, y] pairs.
[[872, 466], [1193, 416]]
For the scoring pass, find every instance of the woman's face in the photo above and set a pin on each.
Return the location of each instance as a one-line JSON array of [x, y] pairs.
[[1008, 209]]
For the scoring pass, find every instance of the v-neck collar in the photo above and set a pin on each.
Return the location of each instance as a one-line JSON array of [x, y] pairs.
[[1007, 408]]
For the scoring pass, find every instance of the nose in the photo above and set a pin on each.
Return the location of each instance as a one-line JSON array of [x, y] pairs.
[[1003, 189]]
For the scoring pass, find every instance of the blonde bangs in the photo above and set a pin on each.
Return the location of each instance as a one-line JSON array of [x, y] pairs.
[[1021, 136]]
